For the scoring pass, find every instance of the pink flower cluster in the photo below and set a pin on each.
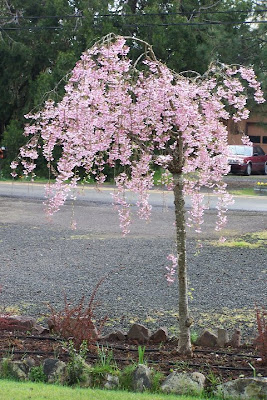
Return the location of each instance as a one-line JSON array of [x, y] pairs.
[[171, 271], [116, 114]]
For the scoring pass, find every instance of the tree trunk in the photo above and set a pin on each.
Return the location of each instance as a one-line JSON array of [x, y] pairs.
[[184, 346]]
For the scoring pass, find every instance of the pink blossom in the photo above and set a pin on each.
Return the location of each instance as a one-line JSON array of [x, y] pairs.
[[171, 271], [108, 118]]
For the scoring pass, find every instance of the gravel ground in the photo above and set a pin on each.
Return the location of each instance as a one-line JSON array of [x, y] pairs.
[[42, 260]]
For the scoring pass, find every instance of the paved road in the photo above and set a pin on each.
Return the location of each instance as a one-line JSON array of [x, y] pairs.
[[103, 195], [41, 259]]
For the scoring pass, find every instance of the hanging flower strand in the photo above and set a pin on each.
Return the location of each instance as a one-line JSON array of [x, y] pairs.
[[116, 114]]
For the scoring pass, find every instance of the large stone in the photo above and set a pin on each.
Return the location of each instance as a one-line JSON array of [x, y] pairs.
[[207, 339], [160, 336], [111, 382], [139, 333], [86, 374], [14, 369], [116, 336], [142, 378], [235, 339], [184, 383], [243, 389], [55, 371], [17, 322], [223, 337], [40, 330]]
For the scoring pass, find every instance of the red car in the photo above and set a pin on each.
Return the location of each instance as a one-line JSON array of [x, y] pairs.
[[247, 159]]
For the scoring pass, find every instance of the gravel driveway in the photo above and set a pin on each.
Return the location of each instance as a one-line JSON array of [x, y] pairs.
[[41, 260]]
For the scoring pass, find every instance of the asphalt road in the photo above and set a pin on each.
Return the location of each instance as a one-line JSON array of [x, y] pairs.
[[41, 260], [157, 197]]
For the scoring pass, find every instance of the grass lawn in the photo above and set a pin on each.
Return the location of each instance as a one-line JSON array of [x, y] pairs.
[[243, 192], [12, 390]]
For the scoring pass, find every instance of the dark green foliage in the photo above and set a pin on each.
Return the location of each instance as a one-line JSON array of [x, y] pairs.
[[37, 374], [76, 362], [5, 369], [12, 140], [33, 61], [126, 377]]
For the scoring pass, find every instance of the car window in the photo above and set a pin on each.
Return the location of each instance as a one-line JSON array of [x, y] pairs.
[[241, 150], [258, 149]]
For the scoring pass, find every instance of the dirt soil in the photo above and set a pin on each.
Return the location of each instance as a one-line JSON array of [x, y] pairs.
[[216, 364]]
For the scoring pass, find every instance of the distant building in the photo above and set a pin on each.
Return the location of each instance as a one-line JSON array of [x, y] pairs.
[[255, 127]]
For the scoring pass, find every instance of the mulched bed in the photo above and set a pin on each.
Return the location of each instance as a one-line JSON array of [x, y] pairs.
[[224, 364]]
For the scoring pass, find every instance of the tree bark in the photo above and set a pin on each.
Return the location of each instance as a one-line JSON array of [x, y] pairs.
[[184, 346]]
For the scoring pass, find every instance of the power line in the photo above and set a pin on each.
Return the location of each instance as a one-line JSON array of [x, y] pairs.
[[116, 14], [30, 28], [193, 12], [199, 23]]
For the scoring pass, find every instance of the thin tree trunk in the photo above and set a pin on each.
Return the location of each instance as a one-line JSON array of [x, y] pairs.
[[184, 346]]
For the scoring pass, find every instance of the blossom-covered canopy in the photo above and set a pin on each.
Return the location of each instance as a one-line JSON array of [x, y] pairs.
[[117, 111]]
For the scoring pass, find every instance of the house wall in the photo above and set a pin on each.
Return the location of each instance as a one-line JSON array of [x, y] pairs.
[[255, 127]]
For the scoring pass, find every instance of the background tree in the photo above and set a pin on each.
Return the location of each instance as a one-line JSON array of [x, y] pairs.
[[40, 43], [135, 114]]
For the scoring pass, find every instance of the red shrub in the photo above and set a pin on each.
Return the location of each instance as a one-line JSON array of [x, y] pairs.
[[77, 322], [261, 340]]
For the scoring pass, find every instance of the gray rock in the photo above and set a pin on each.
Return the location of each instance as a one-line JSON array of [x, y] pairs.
[[111, 382], [40, 330], [223, 337], [142, 378], [86, 379], [55, 370], [139, 333], [16, 369], [30, 362], [207, 339], [236, 339], [244, 389], [86, 376], [184, 383], [160, 336], [117, 336]]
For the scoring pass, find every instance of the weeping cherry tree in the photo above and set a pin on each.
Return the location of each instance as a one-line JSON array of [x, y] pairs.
[[137, 114]]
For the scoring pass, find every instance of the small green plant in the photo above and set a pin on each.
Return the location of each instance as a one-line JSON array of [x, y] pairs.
[[194, 337], [253, 369], [211, 382], [99, 372], [126, 377], [5, 369], [76, 362], [157, 379], [180, 366], [105, 356], [141, 354], [104, 365], [37, 374]]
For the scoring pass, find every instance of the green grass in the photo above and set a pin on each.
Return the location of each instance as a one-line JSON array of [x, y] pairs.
[[243, 192], [249, 241], [11, 390]]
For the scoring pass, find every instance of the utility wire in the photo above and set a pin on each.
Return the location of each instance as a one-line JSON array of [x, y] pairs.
[[115, 14], [193, 12], [199, 23], [31, 28], [142, 25]]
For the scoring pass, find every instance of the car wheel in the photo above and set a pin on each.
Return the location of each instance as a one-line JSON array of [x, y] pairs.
[[248, 170], [265, 169]]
